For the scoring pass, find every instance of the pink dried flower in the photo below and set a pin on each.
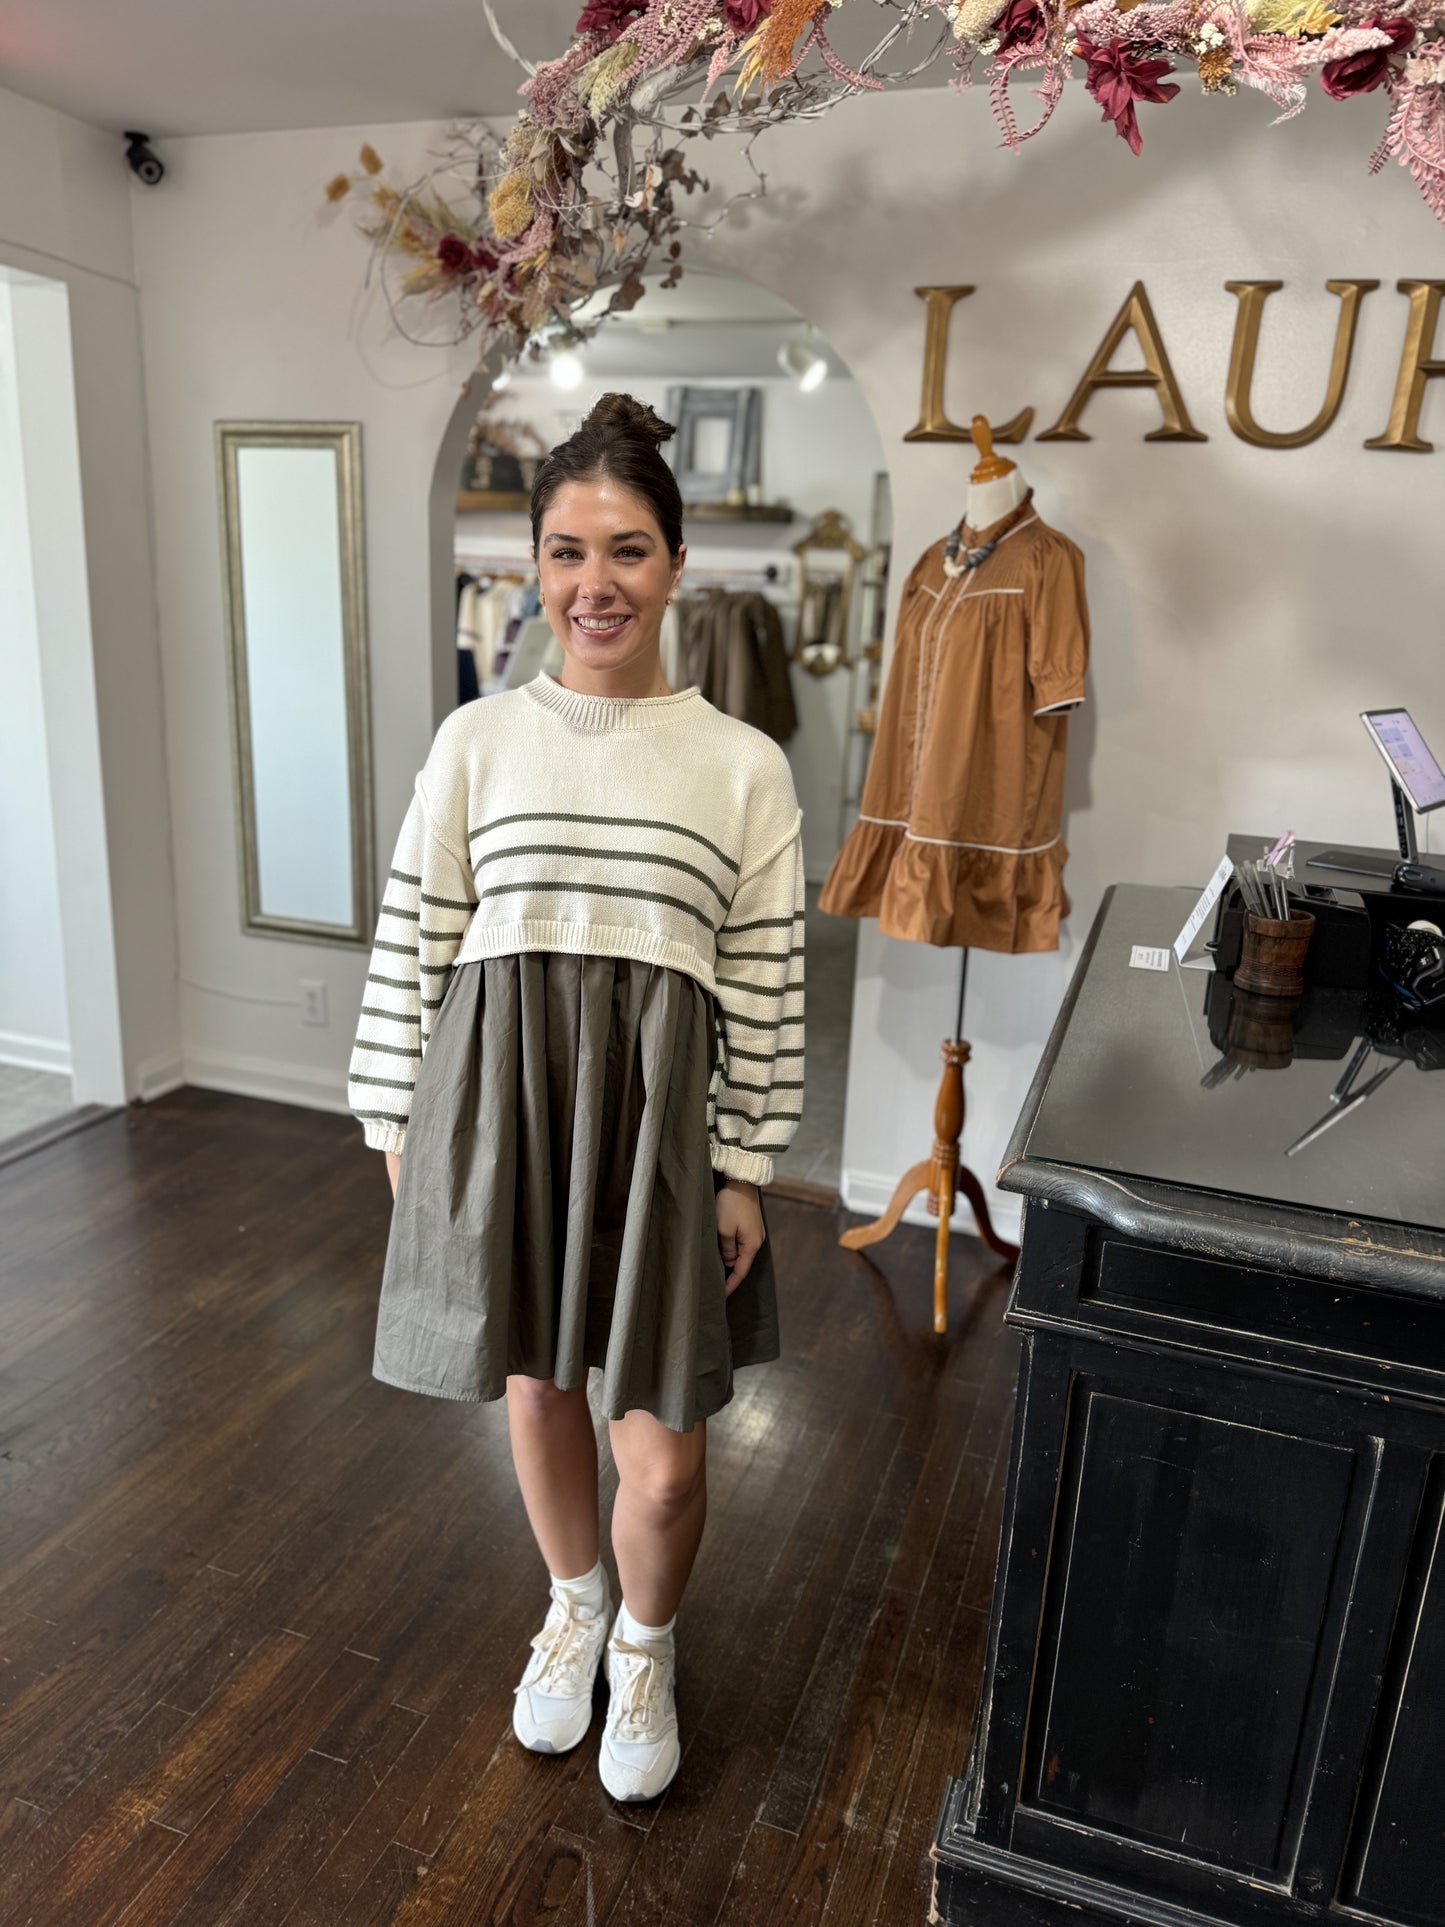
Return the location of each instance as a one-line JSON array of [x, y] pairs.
[[743, 15], [1117, 78]]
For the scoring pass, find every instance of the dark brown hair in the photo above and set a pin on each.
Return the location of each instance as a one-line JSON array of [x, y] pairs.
[[620, 439]]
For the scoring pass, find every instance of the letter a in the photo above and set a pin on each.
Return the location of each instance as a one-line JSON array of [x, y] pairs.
[[1136, 314]]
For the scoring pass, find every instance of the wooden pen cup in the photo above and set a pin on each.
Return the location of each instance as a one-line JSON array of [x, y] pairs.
[[1272, 954]]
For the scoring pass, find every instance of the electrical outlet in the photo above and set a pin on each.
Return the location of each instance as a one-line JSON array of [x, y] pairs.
[[313, 1001]]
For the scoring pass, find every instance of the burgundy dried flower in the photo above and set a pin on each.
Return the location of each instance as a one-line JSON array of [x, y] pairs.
[[1117, 78], [1360, 73], [608, 17], [1019, 25], [455, 257], [743, 15]]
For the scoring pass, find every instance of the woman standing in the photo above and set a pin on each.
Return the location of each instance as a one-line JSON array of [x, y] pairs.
[[583, 1021]]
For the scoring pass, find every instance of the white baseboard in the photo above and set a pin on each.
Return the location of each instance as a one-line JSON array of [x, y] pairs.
[[35, 1053], [215, 1070], [869, 1192], [155, 1076]]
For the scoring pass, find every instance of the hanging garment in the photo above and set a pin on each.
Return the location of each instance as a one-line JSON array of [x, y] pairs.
[[468, 685], [734, 652], [669, 649], [958, 839]]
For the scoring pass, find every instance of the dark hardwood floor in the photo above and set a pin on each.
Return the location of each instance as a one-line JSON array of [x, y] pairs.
[[261, 1616]]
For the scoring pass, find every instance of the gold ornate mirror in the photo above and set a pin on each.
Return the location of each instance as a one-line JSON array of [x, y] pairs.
[[828, 558]]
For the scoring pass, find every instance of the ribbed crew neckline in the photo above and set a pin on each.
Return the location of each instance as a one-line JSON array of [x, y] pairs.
[[604, 713]]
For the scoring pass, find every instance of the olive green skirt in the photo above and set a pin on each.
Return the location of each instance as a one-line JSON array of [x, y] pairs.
[[556, 1206]]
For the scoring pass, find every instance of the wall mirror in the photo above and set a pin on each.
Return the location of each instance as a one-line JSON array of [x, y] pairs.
[[828, 558], [719, 433], [293, 567]]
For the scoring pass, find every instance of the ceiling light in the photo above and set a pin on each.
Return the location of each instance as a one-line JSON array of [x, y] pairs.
[[804, 364], [566, 370]]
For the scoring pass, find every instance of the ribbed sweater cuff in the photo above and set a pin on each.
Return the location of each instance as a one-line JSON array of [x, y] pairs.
[[384, 1137], [751, 1166]]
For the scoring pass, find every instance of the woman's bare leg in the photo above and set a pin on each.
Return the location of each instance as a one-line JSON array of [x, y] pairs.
[[554, 1450], [659, 1512]]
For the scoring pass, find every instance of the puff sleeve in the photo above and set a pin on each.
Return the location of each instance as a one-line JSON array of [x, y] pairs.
[[1058, 628]]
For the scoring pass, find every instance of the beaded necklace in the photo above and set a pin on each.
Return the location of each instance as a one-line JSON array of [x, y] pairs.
[[955, 566]]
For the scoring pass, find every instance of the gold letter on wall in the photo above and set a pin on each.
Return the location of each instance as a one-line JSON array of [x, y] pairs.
[[1156, 374], [933, 424], [1252, 296], [1416, 367]]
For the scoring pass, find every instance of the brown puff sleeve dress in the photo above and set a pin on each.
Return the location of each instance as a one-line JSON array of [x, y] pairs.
[[958, 838]]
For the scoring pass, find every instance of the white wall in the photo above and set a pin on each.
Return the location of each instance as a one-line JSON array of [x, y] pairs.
[[34, 1023], [65, 237], [1227, 583], [252, 310]]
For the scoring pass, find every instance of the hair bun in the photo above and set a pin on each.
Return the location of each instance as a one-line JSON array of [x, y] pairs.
[[624, 414]]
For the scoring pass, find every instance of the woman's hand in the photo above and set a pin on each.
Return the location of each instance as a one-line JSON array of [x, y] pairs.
[[393, 1169], [740, 1232]]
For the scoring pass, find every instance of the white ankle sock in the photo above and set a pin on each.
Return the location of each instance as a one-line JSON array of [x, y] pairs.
[[640, 1635], [589, 1592]]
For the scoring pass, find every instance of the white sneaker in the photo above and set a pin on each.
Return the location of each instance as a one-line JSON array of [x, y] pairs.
[[640, 1752], [553, 1704]]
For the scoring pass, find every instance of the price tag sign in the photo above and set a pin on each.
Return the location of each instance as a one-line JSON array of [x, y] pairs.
[[1211, 895], [1147, 957]]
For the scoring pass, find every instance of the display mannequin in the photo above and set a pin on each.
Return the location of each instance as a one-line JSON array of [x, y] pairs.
[[959, 840], [991, 500]]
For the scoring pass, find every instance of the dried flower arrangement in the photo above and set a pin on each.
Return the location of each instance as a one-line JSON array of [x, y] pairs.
[[585, 192]]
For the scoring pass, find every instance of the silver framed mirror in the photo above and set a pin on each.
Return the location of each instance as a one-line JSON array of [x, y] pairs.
[[293, 569]]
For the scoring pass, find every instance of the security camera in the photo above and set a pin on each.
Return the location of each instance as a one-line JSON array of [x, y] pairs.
[[145, 165]]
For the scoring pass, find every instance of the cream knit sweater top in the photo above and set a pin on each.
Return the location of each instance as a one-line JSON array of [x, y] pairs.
[[653, 827]]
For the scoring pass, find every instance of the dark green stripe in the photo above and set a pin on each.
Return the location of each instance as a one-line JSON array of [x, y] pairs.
[[402, 949], [736, 1144], [760, 956], [432, 1003], [606, 856], [759, 1023], [765, 1056], [757, 990], [384, 1117], [439, 936], [763, 1090], [764, 1117], [396, 1016], [402, 877], [391, 910], [602, 890], [391, 1083], [765, 923], [436, 970], [392, 983], [609, 822], [446, 903], [392, 1050]]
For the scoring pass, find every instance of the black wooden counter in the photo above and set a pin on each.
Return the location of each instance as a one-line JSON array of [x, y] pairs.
[[1215, 1678]]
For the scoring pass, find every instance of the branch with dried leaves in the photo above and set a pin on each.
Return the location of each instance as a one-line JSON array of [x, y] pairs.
[[507, 236]]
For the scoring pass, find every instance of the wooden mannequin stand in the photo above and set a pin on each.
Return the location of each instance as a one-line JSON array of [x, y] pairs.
[[942, 1175]]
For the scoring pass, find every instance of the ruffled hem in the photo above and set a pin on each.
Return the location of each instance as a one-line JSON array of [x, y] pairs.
[[941, 894]]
